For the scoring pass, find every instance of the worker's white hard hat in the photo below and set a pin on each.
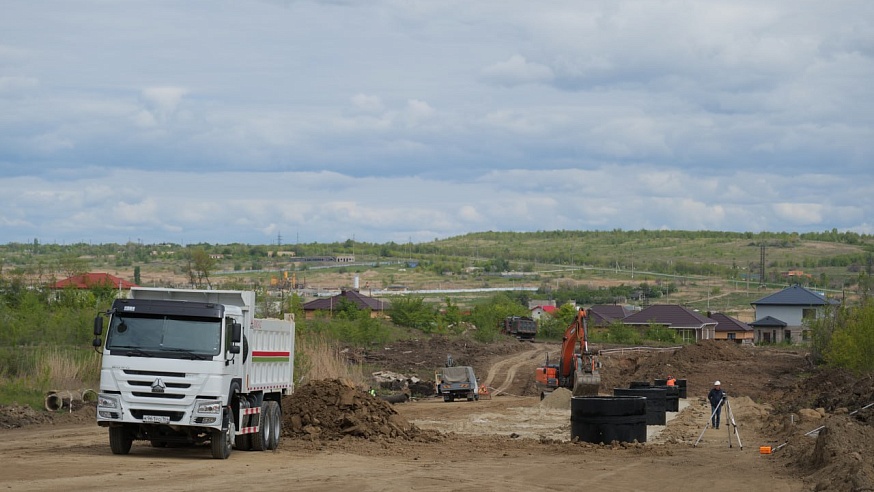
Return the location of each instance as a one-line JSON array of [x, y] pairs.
[[717, 383]]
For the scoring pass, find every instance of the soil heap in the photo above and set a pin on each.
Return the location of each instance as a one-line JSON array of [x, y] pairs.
[[559, 399], [13, 416], [332, 409]]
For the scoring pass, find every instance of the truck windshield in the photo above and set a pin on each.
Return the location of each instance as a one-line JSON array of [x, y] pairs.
[[163, 336]]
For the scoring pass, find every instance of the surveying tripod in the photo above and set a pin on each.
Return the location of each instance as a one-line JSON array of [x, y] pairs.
[[732, 424]]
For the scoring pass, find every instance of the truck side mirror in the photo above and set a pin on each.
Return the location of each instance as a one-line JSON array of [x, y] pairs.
[[235, 349], [236, 333], [98, 330]]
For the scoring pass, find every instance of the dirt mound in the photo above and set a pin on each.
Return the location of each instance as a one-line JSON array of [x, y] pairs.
[[421, 357], [332, 409], [837, 458], [831, 389], [560, 399], [736, 366], [15, 415]]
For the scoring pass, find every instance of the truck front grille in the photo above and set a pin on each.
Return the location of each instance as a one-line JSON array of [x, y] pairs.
[[171, 396]]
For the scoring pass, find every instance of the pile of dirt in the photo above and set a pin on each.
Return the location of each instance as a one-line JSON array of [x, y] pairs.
[[332, 409], [838, 458], [421, 357], [15, 415], [704, 362], [560, 399], [830, 389]]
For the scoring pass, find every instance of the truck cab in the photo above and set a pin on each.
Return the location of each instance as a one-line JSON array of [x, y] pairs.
[[188, 366]]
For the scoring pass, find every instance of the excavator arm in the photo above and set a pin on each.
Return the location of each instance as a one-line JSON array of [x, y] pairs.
[[576, 369], [577, 361]]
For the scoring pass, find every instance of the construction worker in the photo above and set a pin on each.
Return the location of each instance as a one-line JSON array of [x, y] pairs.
[[372, 392], [716, 396], [671, 381]]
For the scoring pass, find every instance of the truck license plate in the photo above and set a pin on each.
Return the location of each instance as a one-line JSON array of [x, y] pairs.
[[158, 419]]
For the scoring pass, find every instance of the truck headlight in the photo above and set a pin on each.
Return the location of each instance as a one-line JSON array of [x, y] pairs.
[[105, 401], [209, 407]]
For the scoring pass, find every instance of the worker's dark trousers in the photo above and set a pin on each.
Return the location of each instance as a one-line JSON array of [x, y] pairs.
[[715, 420]]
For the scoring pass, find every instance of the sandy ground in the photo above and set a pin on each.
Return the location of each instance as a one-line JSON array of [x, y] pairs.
[[512, 441], [478, 452]]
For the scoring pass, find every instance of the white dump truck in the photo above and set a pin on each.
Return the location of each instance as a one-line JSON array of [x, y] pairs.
[[193, 366]]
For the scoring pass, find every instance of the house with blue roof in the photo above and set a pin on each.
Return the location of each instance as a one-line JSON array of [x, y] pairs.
[[781, 317]]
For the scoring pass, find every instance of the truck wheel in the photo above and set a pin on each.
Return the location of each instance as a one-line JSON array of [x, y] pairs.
[[261, 439], [275, 424], [119, 440], [221, 442]]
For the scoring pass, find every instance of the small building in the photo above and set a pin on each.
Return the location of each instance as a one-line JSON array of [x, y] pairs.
[[729, 328], [377, 307], [766, 330], [690, 325], [537, 312]]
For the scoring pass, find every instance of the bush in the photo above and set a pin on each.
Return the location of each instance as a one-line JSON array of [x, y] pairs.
[[851, 344], [661, 334], [620, 333]]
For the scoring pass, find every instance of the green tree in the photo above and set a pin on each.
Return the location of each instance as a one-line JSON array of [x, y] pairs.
[[199, 265], [412, 312], [852, 342], [487, 316]]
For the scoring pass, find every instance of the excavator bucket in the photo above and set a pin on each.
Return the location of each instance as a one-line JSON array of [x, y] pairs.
[[587, 384]]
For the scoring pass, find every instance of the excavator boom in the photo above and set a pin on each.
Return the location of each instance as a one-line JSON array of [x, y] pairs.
[[576, 369]]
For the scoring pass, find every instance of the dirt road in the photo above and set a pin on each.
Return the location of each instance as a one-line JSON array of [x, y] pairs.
[[510, 442], [77, 456]]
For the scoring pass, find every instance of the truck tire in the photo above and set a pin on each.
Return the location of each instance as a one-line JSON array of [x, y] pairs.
[[275, 430], [120, 440], [261, 439], [221, 441]]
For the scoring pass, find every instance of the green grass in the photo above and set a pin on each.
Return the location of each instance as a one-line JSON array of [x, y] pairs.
[[19, 391]]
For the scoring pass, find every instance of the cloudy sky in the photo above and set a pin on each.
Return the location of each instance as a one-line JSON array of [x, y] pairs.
[[408, 120]]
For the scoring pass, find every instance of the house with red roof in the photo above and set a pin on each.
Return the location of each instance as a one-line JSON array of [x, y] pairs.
[[91, 280], [537, 312]]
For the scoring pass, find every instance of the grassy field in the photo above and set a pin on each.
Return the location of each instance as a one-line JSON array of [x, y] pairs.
[[706, 267]]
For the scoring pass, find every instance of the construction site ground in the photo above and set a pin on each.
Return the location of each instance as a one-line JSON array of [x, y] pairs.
[[340, 438]]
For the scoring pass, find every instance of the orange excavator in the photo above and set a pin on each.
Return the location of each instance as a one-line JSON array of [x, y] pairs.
[[577, 368]]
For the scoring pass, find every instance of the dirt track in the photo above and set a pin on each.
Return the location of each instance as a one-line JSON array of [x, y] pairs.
[[77, 456], [506, 443]]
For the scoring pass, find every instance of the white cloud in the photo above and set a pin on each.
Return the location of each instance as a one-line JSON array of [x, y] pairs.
[[728, 114], [367, 103], [163, 101], [516, 71], [799, 213]]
